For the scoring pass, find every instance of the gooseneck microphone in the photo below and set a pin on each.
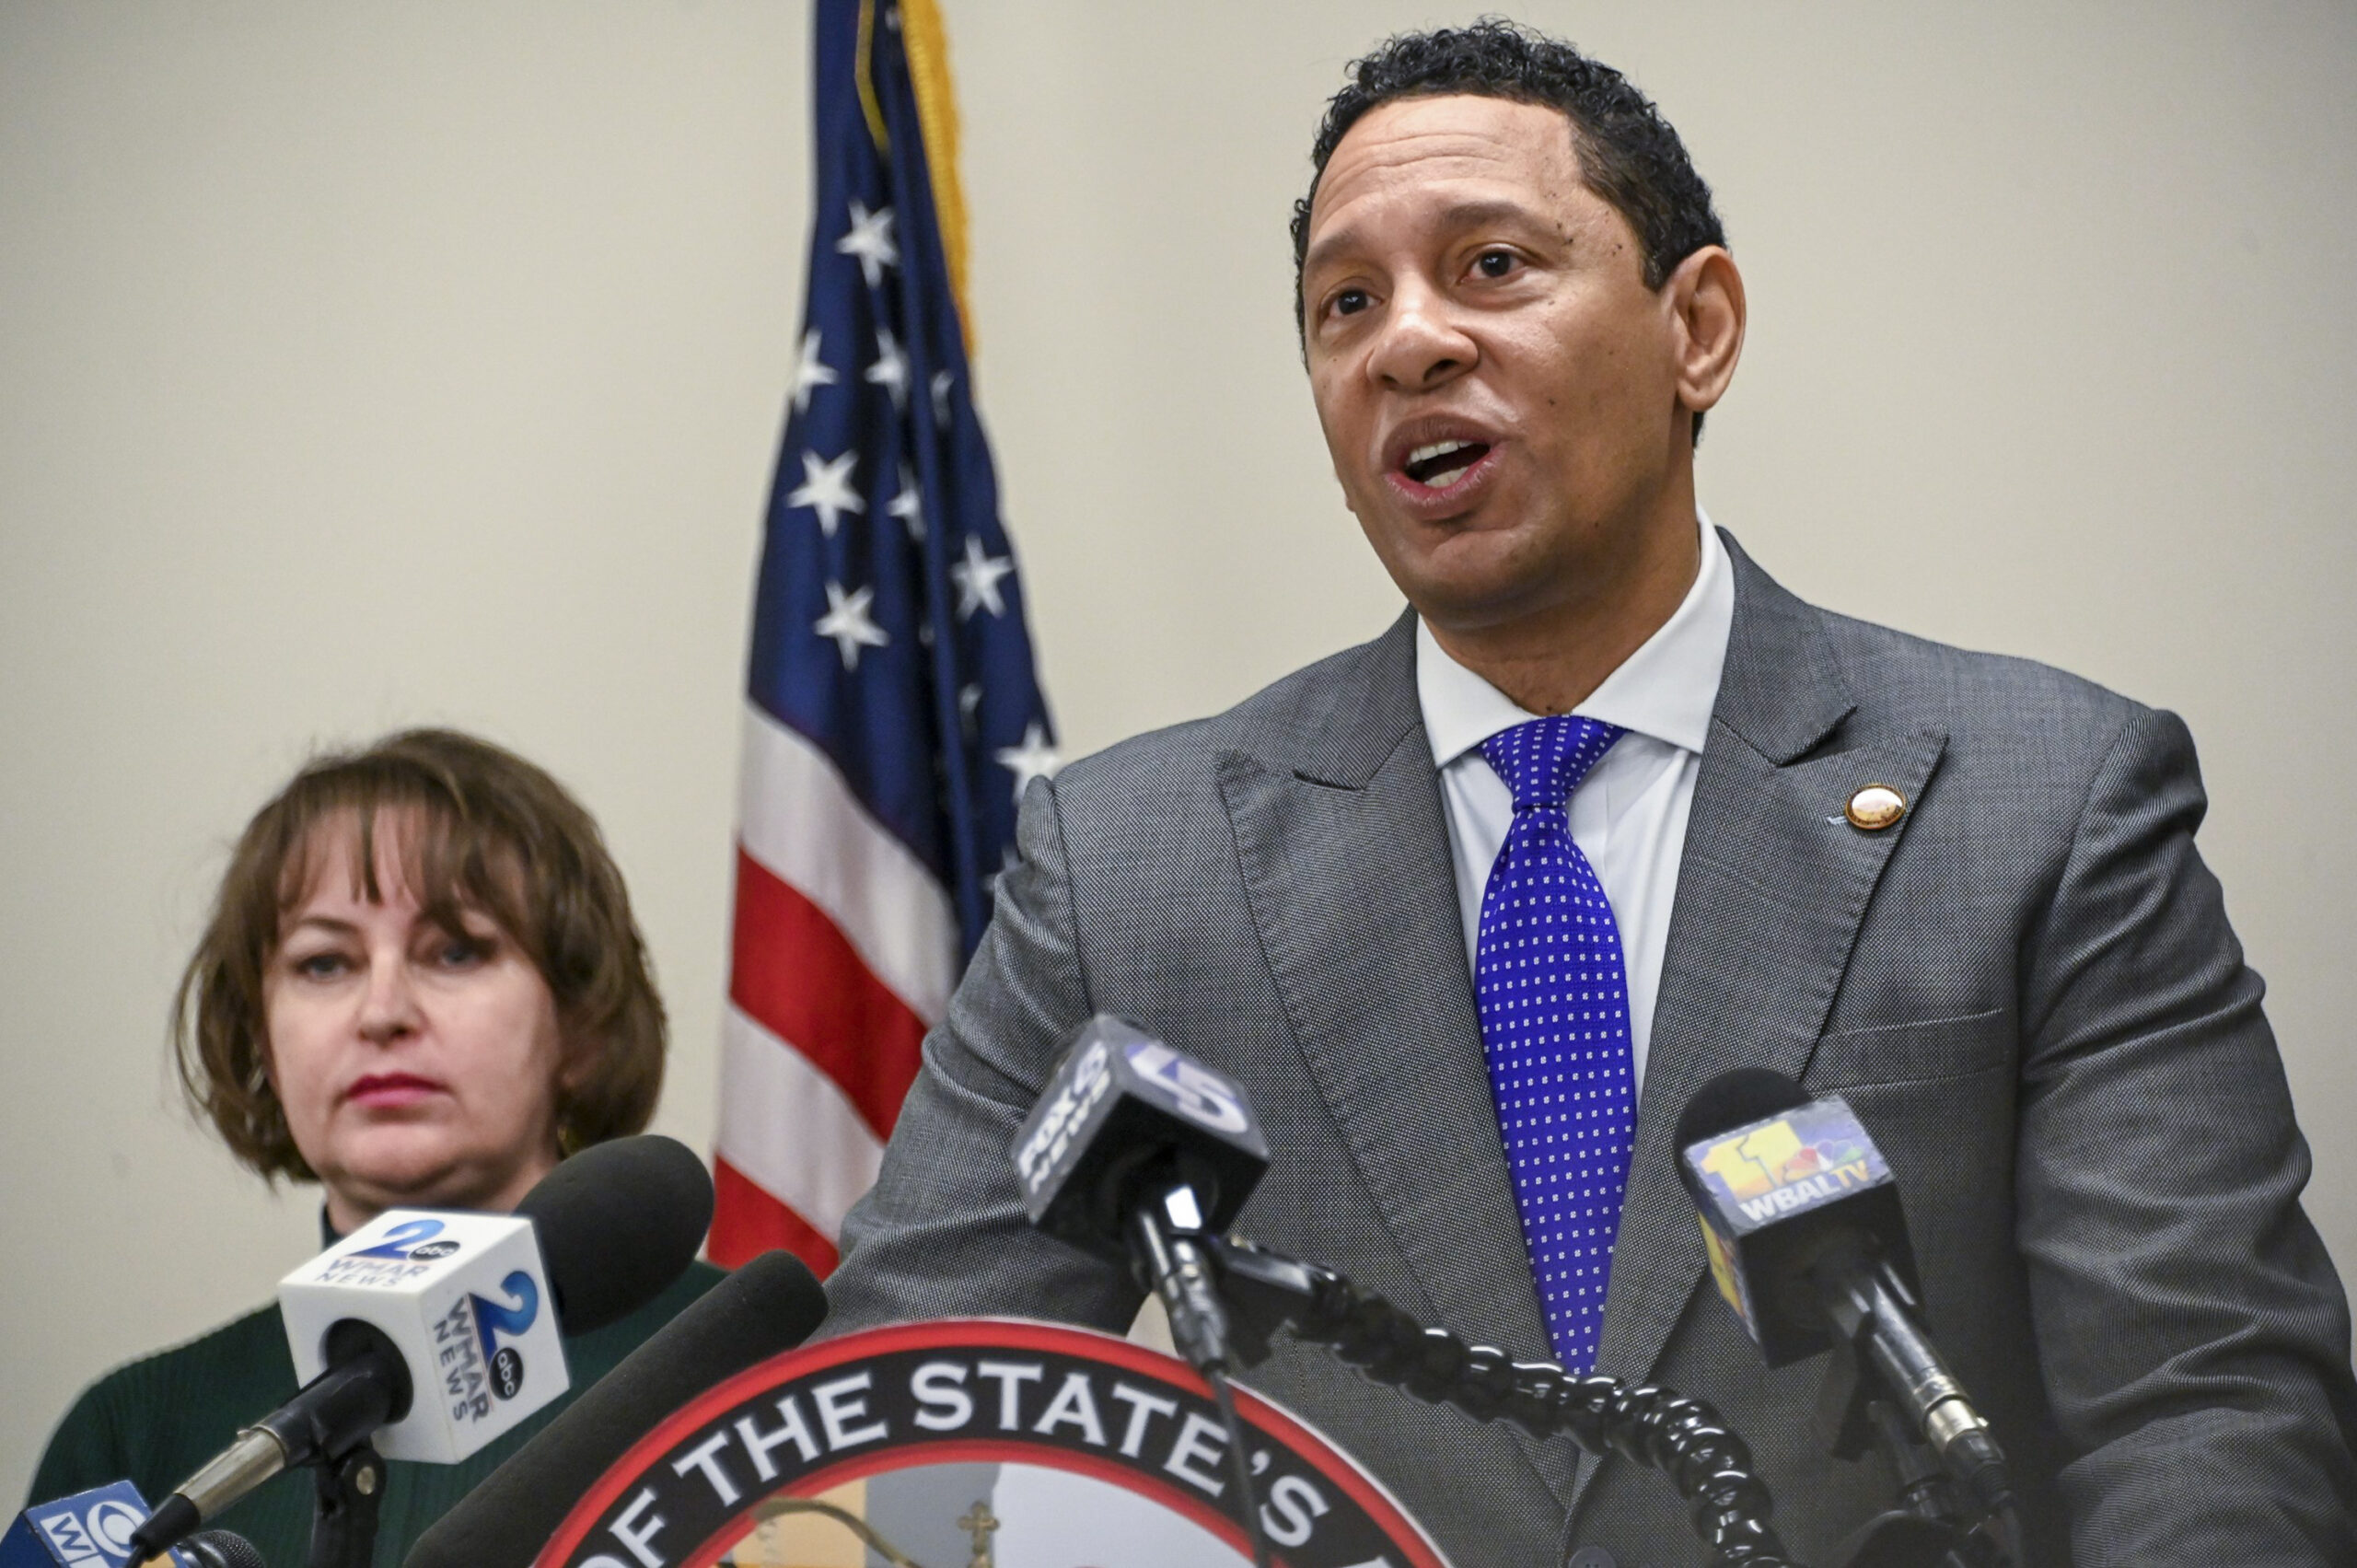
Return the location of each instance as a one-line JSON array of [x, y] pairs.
[[436, 1316], [770, 1305], [1808, 1244]]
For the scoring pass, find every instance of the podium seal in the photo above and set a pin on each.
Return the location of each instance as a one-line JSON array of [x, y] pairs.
[[978, 1442]]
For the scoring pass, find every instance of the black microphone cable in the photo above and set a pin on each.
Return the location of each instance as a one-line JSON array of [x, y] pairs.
[[1239, 1464]]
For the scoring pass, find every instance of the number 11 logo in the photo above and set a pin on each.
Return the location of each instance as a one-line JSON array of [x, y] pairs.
[[1754, 1163]]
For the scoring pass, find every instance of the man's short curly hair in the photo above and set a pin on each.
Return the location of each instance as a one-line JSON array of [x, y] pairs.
[[1629, 155], [481, 828]]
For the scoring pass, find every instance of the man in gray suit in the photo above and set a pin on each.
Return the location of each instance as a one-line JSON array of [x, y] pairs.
[[1960, 890]]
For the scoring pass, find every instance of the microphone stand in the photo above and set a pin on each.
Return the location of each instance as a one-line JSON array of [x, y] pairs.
[[1929, 1527], [350, 1489], [327, 1428], [1168, 1244]]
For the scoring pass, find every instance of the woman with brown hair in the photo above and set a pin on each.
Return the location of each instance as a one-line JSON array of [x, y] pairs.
[[421, 987]]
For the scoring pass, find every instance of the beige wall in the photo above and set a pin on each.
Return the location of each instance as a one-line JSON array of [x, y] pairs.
[[364, 364]]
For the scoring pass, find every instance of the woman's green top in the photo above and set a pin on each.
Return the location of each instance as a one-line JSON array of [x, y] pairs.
[[154, 1422]]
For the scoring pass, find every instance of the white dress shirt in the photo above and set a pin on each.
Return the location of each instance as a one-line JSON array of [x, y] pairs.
[[1628, 814]]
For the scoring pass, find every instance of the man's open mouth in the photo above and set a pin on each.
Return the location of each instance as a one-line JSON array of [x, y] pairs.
[[1441, 463]]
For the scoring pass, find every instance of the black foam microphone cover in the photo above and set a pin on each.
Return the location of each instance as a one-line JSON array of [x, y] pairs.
[[1733, 1098], [221, 1549], [770, 1305], [617, 1224]]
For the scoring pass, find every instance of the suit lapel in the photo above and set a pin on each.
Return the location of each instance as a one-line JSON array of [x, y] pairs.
[[1772, 885], [1345, 861]]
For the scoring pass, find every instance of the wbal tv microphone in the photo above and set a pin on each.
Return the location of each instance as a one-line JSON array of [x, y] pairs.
[[1807, 1239], [1134, 1149], [768, 1307], [433, 1333]]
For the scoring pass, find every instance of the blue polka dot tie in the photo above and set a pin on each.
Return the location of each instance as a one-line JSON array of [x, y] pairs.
[[1554, 1001]]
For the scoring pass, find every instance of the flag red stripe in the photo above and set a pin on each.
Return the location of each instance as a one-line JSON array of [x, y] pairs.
[[796, 974], [800, 818], [748, 1222]]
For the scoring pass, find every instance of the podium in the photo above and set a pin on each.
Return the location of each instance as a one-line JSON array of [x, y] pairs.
[[977, 1442]]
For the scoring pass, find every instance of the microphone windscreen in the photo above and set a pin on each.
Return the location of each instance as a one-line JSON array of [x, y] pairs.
[[770, 1305], [221, 1549], [1732, 1099], [618, 1223]]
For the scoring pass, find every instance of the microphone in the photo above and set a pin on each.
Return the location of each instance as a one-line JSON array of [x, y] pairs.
[[221, 1548], [618, 1223], [1807, 1242], [1132, 1153], [88, 1529], [768, 1307], [449, 1305], [1136, 1153]]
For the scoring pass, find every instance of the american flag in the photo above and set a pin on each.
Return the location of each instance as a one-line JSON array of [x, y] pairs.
[[893, 714]]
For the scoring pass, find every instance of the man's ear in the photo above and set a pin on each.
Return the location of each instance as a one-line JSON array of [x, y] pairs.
[[1704, 298]]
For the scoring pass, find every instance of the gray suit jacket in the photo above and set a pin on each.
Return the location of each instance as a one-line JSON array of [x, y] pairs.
[[2027, 988]]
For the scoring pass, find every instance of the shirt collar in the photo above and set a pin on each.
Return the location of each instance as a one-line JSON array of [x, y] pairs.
[[1666, 689]]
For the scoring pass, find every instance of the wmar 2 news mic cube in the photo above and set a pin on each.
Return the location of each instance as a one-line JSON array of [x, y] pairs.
[[90, 1529], [464, 1298]]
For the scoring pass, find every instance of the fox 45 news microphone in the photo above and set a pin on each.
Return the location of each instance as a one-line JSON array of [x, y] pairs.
[[1807, 1239], [1133, 1151], [432, 1334]]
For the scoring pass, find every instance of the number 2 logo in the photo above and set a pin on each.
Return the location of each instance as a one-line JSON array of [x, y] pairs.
[[493, 1319], [510, 1317], [401, 1239]]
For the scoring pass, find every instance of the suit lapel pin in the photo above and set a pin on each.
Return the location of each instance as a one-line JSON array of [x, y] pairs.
[[1875, 807]]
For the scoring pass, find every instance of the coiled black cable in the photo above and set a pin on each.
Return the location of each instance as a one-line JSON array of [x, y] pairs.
[[1682, 1438]]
